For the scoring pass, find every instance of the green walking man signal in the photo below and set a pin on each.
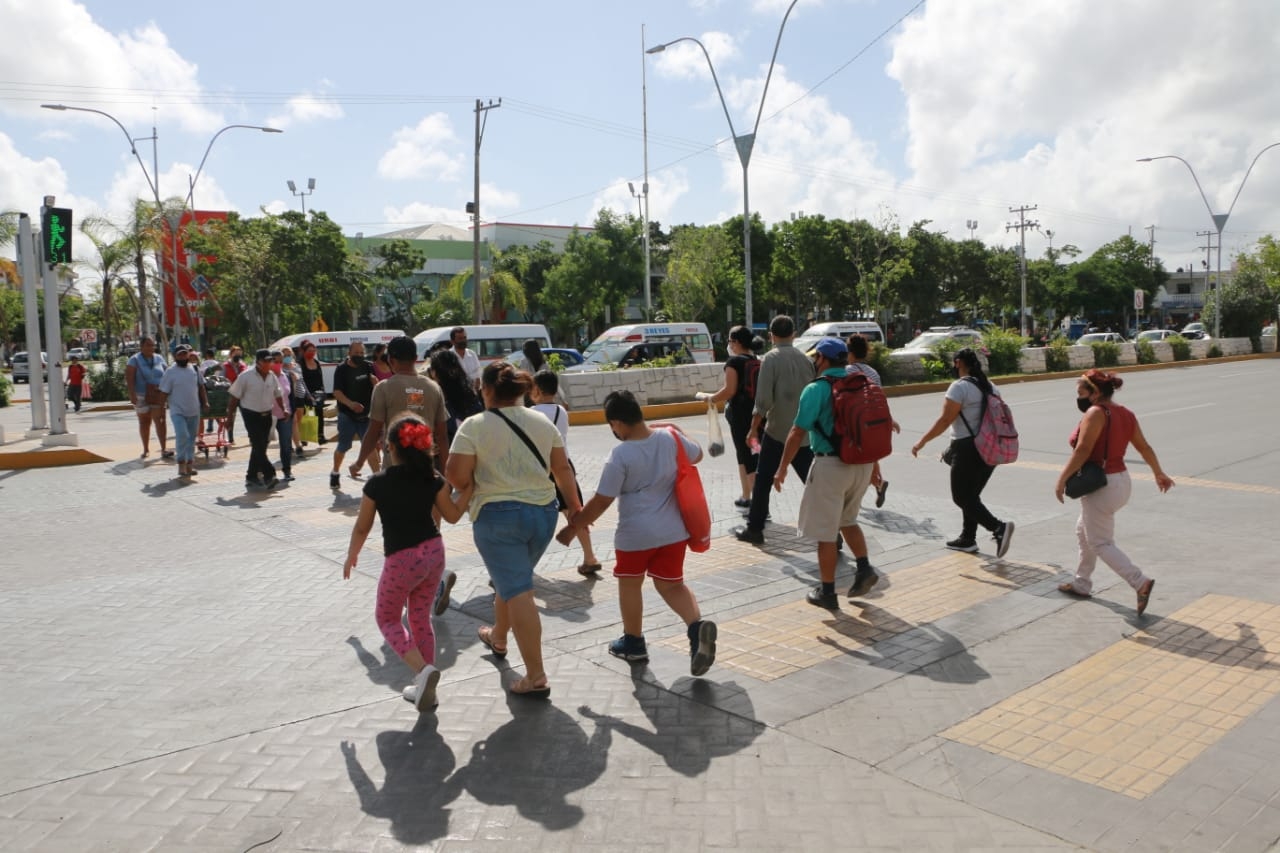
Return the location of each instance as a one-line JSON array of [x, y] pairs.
[[55, 231]]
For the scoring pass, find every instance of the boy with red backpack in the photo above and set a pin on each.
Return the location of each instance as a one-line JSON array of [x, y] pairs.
[[847, 420]]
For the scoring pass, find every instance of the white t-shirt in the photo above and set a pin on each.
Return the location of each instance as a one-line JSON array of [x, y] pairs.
[[558, 416], [506, 469], [470, 365], [969, 396], [641, 474]]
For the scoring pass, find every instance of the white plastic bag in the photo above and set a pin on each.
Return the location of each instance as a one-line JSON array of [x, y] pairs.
[[715, 435]]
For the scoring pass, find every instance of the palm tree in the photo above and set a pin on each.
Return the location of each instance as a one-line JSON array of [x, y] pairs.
[[115, 255]]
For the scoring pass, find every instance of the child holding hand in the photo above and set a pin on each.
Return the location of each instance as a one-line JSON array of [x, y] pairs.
[[403, 496]]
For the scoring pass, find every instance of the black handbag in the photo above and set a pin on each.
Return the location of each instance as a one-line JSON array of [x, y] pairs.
[[949, 455], [1091, 475]]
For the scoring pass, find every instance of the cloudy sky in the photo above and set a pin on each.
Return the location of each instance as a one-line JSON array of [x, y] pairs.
[[948, 110]]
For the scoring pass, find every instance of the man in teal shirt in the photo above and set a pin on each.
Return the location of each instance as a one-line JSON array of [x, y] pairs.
[[833, 490]]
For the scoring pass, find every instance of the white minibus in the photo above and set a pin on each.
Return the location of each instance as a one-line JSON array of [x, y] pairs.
[[331, 347], [646, 341], [809, 338], [491, 342]]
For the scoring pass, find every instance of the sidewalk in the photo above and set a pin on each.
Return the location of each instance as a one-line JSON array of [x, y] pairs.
[[186, 670]]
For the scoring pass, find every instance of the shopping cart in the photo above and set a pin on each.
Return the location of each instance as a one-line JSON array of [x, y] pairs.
[[215, 439]]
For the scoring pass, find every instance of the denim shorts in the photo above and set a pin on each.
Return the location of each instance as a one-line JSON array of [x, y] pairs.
[[511, 537], [348, 429]]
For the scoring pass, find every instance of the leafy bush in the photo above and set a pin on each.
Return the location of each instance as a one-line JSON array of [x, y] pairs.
[[1146, 352], [1106, 354], [878, 358], [6, 390], [1215, 351], [1004, 351], [554, 363], [1056, 357], [1181, 348], [108, 384]]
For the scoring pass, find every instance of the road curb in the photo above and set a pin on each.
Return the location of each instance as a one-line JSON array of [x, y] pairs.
[[22, 460]]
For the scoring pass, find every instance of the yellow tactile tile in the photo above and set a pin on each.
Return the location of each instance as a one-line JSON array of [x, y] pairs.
[[1130, 717], [1144, 475], [773, 643]]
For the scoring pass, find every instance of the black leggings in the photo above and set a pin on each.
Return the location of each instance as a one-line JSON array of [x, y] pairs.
[[969, 476]]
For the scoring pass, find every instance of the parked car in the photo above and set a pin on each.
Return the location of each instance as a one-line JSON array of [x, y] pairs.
[[81, 353], [22, 367], [1269, 331], [1154, 335], [937, 334], [1101, 338], [568, 355], [1195, 332]]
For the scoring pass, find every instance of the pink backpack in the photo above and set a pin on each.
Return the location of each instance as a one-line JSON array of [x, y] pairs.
[[997, 438]]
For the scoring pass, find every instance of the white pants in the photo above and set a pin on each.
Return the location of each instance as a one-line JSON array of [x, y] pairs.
[[1096, 532]]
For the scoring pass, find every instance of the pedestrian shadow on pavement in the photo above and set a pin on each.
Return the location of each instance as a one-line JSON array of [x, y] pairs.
[[416, 788], [935, 653], [534, 762], [896, 522], [248, 500], [710, 721], [390, 671], [348, 505], [165, 487]]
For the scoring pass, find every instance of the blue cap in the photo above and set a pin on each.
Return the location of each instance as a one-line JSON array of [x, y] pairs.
[[831, 348]]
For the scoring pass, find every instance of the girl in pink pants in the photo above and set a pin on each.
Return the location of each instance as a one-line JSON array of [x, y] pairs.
[[403, 496]]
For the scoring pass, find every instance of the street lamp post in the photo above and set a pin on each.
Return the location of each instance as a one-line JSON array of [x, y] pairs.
[[1219, 221], [744, 144], [311, 188], [642, 202]]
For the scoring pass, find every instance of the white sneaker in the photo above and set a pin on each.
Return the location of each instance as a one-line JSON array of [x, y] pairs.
[[422, 693]]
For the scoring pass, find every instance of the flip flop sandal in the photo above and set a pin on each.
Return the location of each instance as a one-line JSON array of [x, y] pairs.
[[485, 633], [589, 570], [530, 691]]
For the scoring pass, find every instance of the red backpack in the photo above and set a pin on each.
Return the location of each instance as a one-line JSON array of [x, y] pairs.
[[863, 424]]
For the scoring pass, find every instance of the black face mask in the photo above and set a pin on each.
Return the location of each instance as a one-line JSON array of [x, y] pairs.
[[955, 372], [181, 362], [1083, 404], [237, 359]]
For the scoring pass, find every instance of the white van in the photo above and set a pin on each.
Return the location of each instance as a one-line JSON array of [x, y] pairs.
[[809, 338], [491, 342], [331, 347], [628, 345]]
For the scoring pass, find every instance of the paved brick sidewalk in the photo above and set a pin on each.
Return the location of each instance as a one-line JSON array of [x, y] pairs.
[[186, 670]]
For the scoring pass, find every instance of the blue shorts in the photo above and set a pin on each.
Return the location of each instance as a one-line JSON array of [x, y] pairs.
[[348, 429], [511, 537]]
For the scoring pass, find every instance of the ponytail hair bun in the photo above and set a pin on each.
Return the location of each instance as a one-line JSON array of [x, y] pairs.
[[1106, 383]]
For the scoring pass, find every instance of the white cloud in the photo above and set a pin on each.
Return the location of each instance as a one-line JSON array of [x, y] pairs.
[[306, 107], [277, 206], [686, 61], [125, 74], [423, 151], [421, 213], [666, 188], [1052, 104]]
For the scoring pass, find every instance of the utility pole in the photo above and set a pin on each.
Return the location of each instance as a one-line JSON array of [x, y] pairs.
[[644, 188], [1208, 257], [1022, 225], [482, 110], [1151, 246]]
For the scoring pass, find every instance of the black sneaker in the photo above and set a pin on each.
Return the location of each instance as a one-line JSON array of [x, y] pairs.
[[447, 580], [271, 484], [702, 646], [818, 598], [1003, 536], [335, 481], [742, 503], [748, 534], [629, 648], [880, 490], [961, 544], [863, 582], [251, 484]]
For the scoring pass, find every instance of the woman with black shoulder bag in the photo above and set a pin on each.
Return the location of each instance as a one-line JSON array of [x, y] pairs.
[[1096, 474]]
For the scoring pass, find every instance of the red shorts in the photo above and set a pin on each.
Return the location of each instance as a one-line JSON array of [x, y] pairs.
[[665, 563]]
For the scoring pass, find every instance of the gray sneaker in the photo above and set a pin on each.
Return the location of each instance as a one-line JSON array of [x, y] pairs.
[[1003, 537], [442, 593], [702, 646]]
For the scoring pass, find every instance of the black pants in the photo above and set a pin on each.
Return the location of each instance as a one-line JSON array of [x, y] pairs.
[[769, 458], [73, 395], [319, 406], [258, 427], [969, 476]]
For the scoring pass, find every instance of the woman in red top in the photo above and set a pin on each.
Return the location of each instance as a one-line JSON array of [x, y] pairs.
[[1102, 436], [75, 378]]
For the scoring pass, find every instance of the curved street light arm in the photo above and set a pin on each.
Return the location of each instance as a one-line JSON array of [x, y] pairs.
[[191, 191], [1246, 175], [1207, 206], [714, 78], [772, 60], [133, 148]]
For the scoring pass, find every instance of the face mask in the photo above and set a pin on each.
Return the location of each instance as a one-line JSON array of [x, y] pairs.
[[615, 434], [181, 362], [288, 359], [1083, 404], [237, 358], [276, 367]]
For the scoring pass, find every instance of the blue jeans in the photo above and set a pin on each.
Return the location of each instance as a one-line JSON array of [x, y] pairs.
[[284, 432], [348, 429], [511, 537], [184, 436]]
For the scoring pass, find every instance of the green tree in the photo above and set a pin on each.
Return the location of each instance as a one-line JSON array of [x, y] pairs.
[[450, 307], [808, 261], [529, 265], [699, 270], [1246, 303], [394, 264], [115, 258], [597, 270]]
